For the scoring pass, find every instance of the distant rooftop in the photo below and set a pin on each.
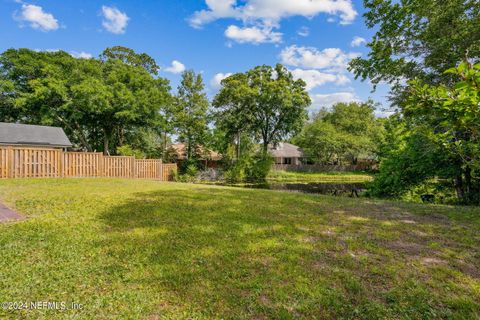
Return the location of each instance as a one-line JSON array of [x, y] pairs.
[[181, 150], [24, 134], [285, 150]]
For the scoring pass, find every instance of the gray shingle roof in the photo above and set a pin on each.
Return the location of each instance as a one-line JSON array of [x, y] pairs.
[[285, 150], [23, 134]]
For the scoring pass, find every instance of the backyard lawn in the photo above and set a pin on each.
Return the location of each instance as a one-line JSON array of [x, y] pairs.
[[147, 250]]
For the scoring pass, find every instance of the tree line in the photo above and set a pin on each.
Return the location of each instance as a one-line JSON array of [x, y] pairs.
[[427, 51], [117, 103]]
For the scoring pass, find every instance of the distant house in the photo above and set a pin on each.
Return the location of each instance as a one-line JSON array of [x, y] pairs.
[[286, 153], [24, 135], [210, 157]]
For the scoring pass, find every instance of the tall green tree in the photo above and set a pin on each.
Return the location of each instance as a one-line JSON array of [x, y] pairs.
[[418, 39], [265, 102], [190, 112]]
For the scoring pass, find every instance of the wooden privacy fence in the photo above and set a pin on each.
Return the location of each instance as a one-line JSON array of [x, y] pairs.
[[16, 162]]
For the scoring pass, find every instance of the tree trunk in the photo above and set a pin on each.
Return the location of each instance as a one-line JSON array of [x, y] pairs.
[[106, 140], [189, 149], [265, 146], [79, 133], [165, 142], [468, 183], [459, 187], [238, 146]]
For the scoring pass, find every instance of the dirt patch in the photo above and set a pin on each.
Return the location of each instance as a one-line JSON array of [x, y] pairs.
[[432, 261], [409, 248], [8, 215]]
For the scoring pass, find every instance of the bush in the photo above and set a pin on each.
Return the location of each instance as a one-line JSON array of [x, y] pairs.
[[128, 151], [259, 168], [251, 169], [235, 173]]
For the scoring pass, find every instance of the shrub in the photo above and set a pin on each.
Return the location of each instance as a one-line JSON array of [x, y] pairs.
[[258, 169], [129, 151], [235, 173]]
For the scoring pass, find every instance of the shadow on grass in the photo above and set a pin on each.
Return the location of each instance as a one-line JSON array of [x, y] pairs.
[[215, 251], [231, 253]]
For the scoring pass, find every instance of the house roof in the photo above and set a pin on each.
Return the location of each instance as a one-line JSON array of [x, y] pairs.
[[285, 150], [181, 150], [24, 134]]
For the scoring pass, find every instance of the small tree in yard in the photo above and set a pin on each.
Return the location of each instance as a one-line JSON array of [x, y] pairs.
[[190, 112]]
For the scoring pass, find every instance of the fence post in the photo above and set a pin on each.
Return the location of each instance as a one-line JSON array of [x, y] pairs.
[[101, 165], [9, 162], [133, 173], [162, 168], [61, 164]]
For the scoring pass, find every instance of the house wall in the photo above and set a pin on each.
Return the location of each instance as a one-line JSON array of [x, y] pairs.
[[295, 161]]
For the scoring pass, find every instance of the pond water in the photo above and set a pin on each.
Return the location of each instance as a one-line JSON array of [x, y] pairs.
[[327, 188]]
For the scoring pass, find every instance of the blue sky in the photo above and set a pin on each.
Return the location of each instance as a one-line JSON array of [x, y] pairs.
[[313, 38]]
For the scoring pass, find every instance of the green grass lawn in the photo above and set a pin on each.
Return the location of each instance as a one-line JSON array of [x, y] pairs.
[[148, 250], [288, 176]]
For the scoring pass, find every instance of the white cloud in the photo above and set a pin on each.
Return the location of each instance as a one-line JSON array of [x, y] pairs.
[[303, 32], [268, 14], [217, 79], [114, 20], [46, 50], [253, 35], [272, 11], [176, 67], [37, 18], [358, 41], [315, 78], [333, 59], [81, 55], [328, 100]]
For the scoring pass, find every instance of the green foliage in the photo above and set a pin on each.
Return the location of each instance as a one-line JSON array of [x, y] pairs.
[[416, 160], [264, 103], [98, 102], [251, 167], [191, 170], [418, 39], [130, 57], [235, 173], [190, 112], [347, 132], [414, 42], [437, 138], [259, 168], [127, 150]]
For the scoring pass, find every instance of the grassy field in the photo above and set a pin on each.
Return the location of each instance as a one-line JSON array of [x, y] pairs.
[[287, 176], [148, 250]]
